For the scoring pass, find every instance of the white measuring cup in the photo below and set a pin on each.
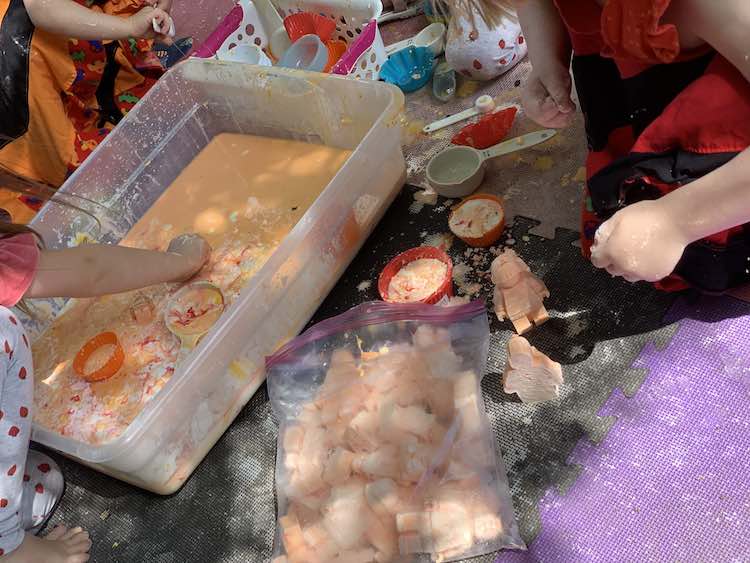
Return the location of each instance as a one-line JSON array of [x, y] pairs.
[[459, 170], [432, 37], [192, 311]]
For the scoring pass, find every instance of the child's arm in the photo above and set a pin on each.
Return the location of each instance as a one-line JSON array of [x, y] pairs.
[[99, 269], [546, 97], [70, 19], [645, 241]]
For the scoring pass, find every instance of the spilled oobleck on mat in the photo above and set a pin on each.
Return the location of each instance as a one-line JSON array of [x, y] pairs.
[[244, 194]]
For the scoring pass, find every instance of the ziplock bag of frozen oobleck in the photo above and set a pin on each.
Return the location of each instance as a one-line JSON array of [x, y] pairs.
[[385, 451]]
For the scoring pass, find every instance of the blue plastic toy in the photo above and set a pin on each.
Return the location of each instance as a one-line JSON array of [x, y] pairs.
[[409, 69]]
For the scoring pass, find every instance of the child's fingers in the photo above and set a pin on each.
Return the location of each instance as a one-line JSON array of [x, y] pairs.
[[600, 258], [162, 23], [559, 88]]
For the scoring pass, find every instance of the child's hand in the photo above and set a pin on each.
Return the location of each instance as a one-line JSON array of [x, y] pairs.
[[165, 5], [546, 98], [641, 242], [142, 26], [192, 247]]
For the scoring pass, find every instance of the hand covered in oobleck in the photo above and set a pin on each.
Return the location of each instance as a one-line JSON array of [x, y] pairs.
[[640, 243]]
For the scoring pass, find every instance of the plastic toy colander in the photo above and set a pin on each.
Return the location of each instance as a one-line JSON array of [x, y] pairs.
[[409, 69], [354, 19]]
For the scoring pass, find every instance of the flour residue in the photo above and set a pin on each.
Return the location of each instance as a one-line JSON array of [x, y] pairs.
[[417, 280], [443, 241], [364, 286]]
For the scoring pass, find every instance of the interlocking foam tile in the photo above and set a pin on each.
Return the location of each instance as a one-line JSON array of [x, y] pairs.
[[670, 480]]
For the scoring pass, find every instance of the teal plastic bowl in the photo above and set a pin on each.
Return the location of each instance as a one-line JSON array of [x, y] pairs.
[[409, 69]]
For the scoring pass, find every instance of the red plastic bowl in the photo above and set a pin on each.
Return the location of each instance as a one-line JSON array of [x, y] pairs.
[[393, 267]]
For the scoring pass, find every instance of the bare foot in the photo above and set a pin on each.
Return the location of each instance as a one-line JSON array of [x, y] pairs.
[[59, 546]]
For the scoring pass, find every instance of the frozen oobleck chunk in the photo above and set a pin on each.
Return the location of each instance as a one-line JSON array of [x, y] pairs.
[[383, 462], [519, 295], [435, 346], [340, 514], [381, 533], [416, 460], [413, 419], [386, 498], [440, 398], [293, 437], [338, 467], [361, 435], [530, 374]]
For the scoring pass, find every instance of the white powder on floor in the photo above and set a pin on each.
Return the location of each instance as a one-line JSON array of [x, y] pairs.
[[364, 286]]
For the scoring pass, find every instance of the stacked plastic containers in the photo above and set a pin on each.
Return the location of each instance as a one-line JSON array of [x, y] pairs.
[[194, 102]]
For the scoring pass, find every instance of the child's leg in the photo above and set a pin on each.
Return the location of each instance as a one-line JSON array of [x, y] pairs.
[[43, 487], [16, 393]]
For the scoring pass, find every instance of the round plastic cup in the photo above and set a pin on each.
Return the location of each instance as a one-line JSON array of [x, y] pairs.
[[307, 53], [489, 237], [412, 255]]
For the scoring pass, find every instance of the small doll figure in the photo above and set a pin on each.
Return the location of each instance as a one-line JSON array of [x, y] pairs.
[[519, 294], [530, 374]]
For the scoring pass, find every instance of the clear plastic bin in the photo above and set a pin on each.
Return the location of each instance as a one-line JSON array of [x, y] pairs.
[[194, 102]]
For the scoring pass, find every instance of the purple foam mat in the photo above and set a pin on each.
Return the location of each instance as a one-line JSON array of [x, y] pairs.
[[671, 480]]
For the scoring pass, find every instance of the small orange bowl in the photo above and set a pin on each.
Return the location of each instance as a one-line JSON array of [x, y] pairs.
[[476, 224], [110, 368], [395, 265]]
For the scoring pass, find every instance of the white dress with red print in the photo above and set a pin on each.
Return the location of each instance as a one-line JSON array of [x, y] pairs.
[[483, 53]]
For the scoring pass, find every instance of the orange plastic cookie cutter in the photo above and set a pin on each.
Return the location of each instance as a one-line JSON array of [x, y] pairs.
[[109, 369]]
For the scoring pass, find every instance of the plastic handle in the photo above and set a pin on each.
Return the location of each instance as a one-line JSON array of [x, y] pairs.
[[390, 16], [450, 120], [405, 44], [518, 143]]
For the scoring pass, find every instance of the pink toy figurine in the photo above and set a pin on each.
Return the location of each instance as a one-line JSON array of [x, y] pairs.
[[519, 294], [530, 374]]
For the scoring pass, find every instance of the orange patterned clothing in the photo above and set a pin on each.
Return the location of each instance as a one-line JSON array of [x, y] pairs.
[[61, 97]]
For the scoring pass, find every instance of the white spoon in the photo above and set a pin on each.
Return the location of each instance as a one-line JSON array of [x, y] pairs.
[[432, 37]]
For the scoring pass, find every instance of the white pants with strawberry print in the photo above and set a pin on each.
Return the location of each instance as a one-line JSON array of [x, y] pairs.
[[31, 484]]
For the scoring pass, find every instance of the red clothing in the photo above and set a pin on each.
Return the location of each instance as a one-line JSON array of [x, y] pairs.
[[657, 118], [19, 256]]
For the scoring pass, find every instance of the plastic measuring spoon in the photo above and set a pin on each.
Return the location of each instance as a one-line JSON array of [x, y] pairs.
[[483, 104], [458, 171], [192, 311], [432, 37]]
